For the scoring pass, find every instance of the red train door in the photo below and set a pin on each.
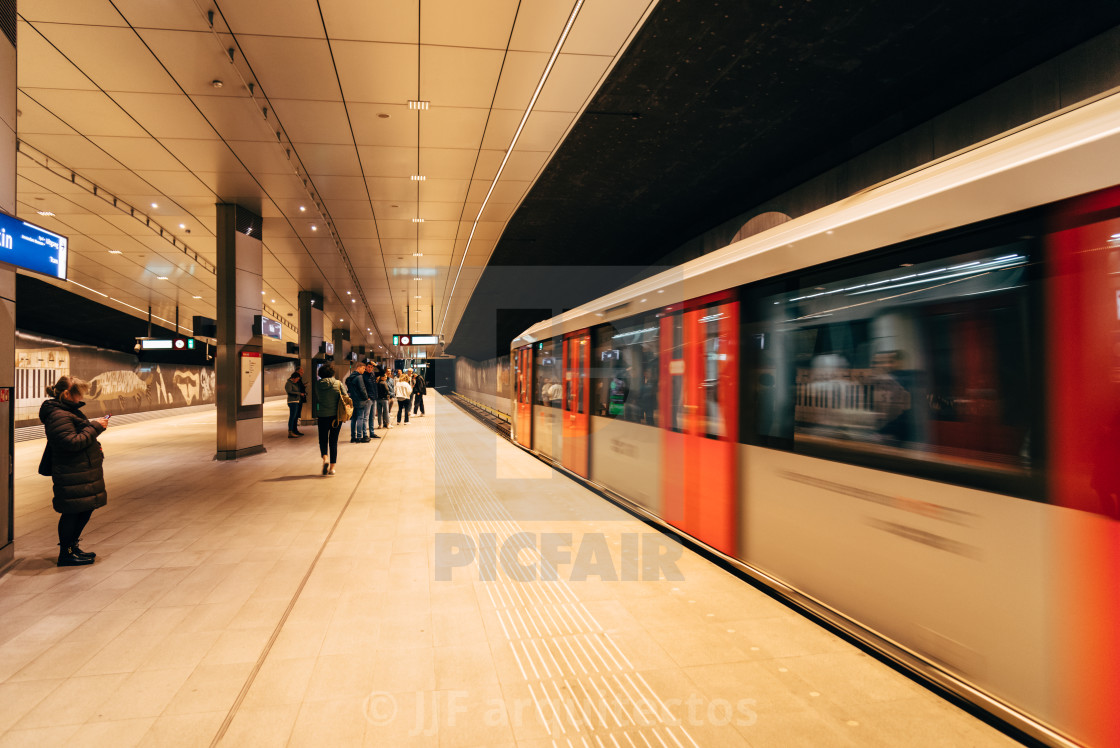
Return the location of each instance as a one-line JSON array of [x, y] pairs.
[[577, 401], [523, 396], [700, 397]]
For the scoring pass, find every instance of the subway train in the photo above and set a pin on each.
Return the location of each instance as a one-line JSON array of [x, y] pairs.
[[900, 411]]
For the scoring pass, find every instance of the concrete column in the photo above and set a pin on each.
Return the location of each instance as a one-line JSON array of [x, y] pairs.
[[341, 337], [7, 282], [310, 337], [238, 361]]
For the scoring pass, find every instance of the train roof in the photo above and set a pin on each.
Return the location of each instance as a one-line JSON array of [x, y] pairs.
[[1065, 154]]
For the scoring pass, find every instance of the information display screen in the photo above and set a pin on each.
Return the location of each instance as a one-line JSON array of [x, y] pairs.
[[399, 339], [32, 247]]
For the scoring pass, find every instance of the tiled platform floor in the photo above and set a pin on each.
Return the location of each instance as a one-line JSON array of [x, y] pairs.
[[259, 603]]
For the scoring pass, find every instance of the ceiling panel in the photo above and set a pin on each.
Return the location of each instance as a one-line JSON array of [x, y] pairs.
[[313, 121], [166, 117], [394, 21], [33, 119], [452, 127], [235, 118], [285, 18], [481, 23], [540, 24], [332, 160], [91, 12], [88, 112], [42, 66], [130, 67], [458, 76], [137, 153], [195, 61], [356, 60], [292, 68], [163, 15], [398, 129]]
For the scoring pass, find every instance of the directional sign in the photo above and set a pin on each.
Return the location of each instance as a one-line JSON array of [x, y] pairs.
[[32, 247]]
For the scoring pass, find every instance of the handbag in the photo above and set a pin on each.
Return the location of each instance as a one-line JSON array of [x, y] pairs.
[[345, 407], [46, 465]]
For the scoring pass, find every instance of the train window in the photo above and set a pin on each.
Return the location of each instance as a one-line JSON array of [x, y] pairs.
[[715, 347], [548, 374], [625, 370], [925, 361]]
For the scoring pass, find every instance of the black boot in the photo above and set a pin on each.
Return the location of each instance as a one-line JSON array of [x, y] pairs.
[[68, 557], [79, 552]]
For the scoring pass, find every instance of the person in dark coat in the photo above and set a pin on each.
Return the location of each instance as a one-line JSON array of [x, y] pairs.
[[75, 459], [419, 389], [297, 396]]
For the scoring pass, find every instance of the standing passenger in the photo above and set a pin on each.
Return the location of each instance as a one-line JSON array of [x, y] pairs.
[[404, 394], [383, 397], [327, 392], [391, 383], [359, 422], [369, 379], [297, 396], [419, 388], [74, 458]]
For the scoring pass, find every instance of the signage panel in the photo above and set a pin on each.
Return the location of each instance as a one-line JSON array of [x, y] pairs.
[[251, 390], [268, 328], [404, 339], [32, 247]]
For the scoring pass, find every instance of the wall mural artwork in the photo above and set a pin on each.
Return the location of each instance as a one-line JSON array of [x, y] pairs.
[[119, 382]]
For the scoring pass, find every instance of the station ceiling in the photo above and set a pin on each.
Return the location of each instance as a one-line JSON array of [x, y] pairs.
[[656, 120]]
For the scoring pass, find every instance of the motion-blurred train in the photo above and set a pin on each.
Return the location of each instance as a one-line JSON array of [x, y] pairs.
[[902, 411]]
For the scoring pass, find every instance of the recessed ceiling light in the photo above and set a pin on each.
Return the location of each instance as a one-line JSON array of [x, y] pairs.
[[314, 228], [302, 209], [413, 104], [416, 278], [418, 178], [353, 301], [382, 115], [44, 213], [347, 293], [417, 254], [196, 297], [161, 277], [262, 293], [114, 251], [216, 83], [155, 205], [272, 301], [417, 297], [340, 319], [417, 220], [182, 225]]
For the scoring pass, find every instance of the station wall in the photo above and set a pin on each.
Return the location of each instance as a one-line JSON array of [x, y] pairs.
[[119, 382], [486, 382]]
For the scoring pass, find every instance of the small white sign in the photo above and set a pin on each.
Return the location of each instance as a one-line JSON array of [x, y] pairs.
[[251, 380]]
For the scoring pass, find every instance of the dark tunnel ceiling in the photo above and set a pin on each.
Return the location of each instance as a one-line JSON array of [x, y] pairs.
[[718, 106]]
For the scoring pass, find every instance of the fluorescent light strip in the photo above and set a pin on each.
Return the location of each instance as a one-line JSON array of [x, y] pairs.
[[79, 285], [509, 152]]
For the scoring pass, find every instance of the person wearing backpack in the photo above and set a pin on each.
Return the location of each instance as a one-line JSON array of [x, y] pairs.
[[328, 390]]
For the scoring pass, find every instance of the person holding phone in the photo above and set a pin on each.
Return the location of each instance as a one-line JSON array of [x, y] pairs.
[[74, 460]]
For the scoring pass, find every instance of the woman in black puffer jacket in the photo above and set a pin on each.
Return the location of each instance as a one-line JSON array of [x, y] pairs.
[[76, 465]]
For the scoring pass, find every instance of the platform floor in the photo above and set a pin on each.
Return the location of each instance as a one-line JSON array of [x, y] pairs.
[[259, 603]]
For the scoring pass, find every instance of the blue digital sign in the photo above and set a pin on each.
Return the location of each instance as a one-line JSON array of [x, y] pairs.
[[31, 247]]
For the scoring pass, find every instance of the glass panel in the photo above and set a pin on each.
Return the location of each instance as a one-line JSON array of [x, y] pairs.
[[926, 361], [548, 373], [626, 365], [676, 373], [716, 348]]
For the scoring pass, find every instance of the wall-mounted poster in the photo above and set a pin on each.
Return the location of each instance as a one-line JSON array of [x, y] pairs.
[[251, 389]]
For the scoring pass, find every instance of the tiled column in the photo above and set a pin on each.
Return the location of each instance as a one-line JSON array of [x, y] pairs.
[[310, 336], [238, 362], [7, 276]]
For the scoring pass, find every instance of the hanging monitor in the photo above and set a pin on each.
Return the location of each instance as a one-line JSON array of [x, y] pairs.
[[32, 247]]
